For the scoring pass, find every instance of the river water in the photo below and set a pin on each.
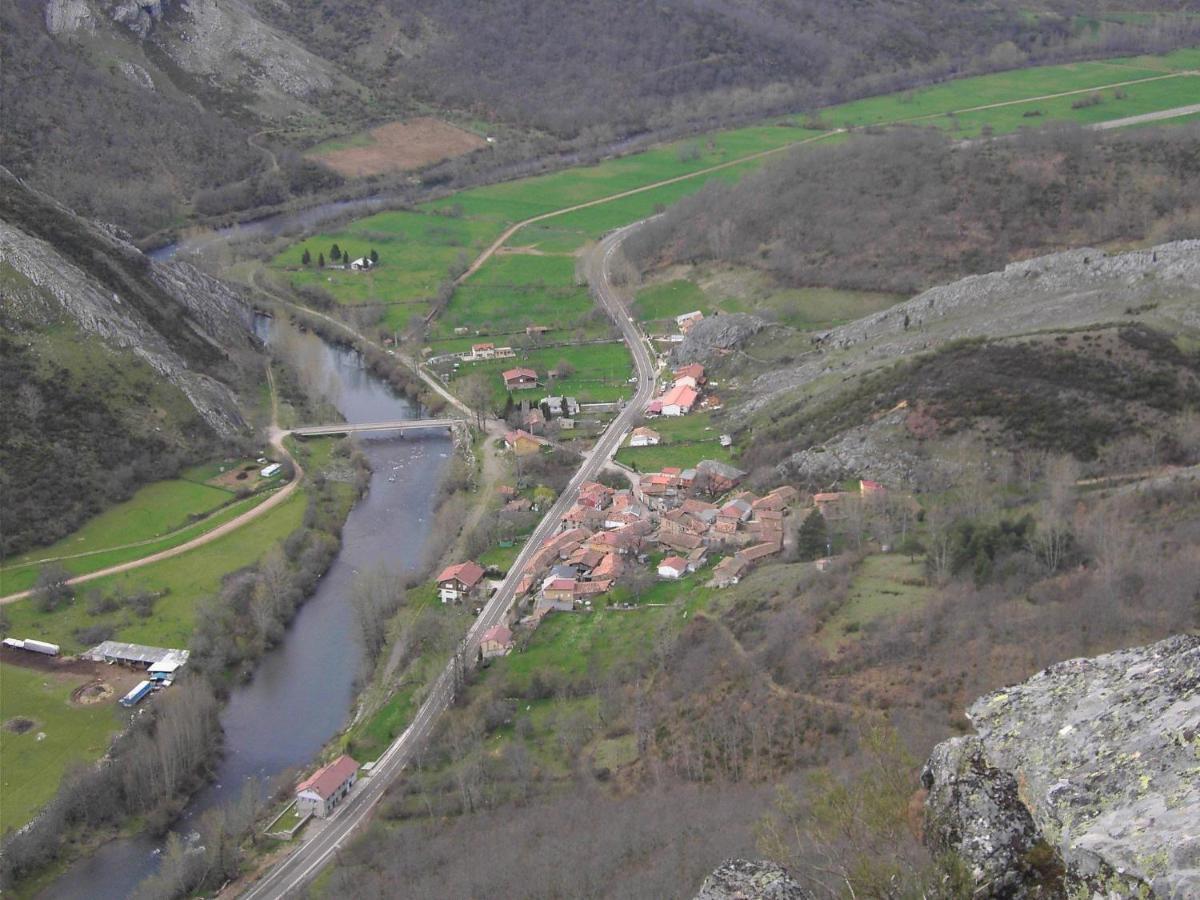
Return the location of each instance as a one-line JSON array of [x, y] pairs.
[[302, 691]]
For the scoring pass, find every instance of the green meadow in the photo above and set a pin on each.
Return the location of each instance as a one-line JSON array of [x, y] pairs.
[[600, 372], [31, 769], [419, 248]]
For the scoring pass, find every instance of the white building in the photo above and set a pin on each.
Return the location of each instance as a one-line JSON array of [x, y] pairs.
[[319, 793]]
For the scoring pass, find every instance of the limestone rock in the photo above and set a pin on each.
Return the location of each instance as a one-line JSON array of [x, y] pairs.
[[743, 879], [1106, 756], [68, 16], [710, 337]]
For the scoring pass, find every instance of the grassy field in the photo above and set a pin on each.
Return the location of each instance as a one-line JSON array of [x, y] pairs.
[[31, 768], [419, 247], [182, 580], [601, 372], [685, 441], [733, 290], [883, 585]]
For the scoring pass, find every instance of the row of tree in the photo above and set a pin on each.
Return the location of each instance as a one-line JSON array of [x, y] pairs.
[[336, 255]]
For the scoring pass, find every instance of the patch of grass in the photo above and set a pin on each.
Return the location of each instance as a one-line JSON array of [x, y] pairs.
[[601, 372], [670, 299], [685, 441], [32, 769], [883, 585], [154, 510], [612, 753]]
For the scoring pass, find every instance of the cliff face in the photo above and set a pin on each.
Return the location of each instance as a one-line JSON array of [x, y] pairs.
[[743, 879], [1085, 778], [116, 371]]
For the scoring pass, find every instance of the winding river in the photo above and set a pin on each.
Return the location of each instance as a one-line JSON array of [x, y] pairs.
[[302, 691]]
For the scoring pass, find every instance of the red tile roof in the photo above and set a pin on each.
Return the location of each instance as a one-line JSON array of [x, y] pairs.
[[681, 395], [518, 372], [326, 780], [469, 573], [498, 633]]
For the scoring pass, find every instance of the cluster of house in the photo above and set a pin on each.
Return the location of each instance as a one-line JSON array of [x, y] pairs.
[[685, 392], [609, 531]]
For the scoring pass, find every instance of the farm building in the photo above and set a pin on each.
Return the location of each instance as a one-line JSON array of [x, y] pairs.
[[519, 379], [644, 437], [162, 663], [679, 400], [270, 470], [721, 476], [458, 582], [362, 264], [497, 641], [688, 320], [319, 793], [694, 371], [729, 571]]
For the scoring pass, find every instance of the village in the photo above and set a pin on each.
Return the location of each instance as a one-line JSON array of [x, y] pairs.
[[679, 522]]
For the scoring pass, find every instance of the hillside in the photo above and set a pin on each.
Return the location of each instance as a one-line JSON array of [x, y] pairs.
[[850, 216], [119, 370], [149, 113]]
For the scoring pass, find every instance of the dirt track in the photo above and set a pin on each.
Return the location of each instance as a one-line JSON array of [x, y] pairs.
[[220, 531]]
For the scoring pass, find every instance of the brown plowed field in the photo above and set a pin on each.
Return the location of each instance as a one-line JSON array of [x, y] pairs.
[[400, 146]]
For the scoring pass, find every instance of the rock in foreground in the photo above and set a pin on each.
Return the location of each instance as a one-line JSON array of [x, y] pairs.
[[1089, 770], [743, 879]]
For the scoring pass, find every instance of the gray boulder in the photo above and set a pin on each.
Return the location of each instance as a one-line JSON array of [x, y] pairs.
[[743, 879], [1102, 756], [711, 338]]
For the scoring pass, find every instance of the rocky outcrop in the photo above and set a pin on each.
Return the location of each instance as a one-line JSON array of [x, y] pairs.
[[1090, 771], [716, 336], [743, 879], [1075, 288], [68, 16]]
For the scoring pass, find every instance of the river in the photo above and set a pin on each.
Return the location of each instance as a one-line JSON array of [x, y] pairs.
[[302, 691]]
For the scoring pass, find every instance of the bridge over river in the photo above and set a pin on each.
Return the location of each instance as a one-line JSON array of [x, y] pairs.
[[400, 425]]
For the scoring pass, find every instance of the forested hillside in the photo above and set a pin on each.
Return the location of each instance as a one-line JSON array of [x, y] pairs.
[[853, 215], [149, 115]]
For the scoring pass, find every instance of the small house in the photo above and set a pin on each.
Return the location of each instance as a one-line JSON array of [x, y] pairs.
[[729, 571], [673, 567], [483, 351], [687, 321], [522, 443], [694, 371], [362, 264], [519, 379], [644, 437], [721, 476], [318, 794], [459, 582], [497, 641]]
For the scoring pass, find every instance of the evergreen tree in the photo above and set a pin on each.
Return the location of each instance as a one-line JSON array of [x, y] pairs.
[[305, 258], [374, 257], [812, 538], [320, 260], [335, 252]]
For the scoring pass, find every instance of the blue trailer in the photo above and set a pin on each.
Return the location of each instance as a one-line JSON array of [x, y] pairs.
[[134, 697]]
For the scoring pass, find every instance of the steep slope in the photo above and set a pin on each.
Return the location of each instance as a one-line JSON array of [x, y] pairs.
[[117, 370]]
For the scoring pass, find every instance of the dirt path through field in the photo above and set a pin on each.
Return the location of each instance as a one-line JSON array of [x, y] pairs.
[[1147, 117], [276, 438]]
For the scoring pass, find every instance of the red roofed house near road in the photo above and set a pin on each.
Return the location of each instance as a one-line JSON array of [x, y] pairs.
[[323, 790], [519, 379], [497, 641], [458, 582]]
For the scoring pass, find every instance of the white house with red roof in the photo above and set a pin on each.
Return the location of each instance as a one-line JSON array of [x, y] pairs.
[[458, 582], [318, 794], [673, 567]]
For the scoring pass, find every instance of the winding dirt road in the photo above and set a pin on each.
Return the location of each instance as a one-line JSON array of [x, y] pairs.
[[276, 437]]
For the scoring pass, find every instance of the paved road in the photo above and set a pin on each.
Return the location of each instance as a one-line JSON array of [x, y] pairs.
[[307, 860]]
